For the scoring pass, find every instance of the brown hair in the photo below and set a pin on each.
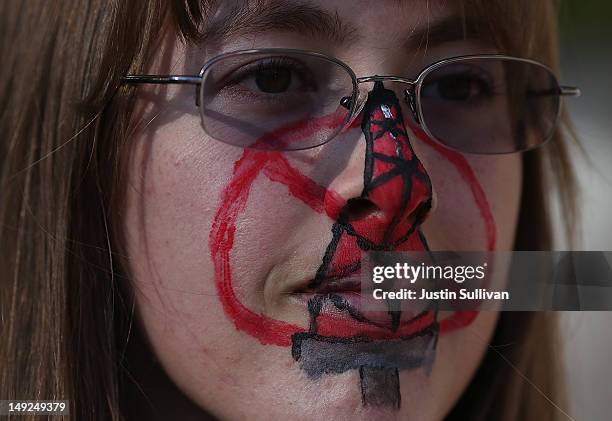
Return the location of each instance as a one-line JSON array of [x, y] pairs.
[[66, 309]]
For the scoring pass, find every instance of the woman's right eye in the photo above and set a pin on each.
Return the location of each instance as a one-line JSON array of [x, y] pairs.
[[273, 80], [271, 77]]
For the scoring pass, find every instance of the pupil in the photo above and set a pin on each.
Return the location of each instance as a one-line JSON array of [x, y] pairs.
[[456, 88], [273, 81]]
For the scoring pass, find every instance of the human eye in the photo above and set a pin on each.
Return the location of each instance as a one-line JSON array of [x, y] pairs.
[[463, 84], [269, 79]]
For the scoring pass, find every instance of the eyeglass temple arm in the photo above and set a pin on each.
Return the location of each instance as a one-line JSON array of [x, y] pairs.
[[163, 79], [570, 91], [166, 80]]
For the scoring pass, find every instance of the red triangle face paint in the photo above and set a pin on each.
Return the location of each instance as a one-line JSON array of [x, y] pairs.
[[394, 202]]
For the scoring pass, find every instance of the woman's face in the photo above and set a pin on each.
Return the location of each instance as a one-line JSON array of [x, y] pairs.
[[228, 247]]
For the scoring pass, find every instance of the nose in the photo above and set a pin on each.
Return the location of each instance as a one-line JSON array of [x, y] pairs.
[[383, 211], [387, 189]]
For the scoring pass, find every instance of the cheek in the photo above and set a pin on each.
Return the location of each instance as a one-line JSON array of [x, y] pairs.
[[476, 198], [501, 180], [274, 228], [174, 181]]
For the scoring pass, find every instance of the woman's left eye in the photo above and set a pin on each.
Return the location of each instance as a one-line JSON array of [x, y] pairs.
[[458, 87]]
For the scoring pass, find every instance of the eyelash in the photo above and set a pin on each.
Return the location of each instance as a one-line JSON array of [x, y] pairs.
[[482, 75], [251, 69]]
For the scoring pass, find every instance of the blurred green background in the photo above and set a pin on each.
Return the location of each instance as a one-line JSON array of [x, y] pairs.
[[586, 61], [586, 18]]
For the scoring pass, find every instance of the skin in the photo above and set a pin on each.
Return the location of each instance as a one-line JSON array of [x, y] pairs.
[[176, 178]]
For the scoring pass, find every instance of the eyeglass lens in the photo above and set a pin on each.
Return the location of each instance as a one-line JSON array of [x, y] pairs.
[[288, 101], [294, 101], [490, 105]]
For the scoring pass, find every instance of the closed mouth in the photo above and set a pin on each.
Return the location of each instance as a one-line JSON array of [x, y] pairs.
[[336, 308]]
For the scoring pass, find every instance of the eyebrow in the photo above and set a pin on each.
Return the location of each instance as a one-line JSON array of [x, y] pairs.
[[447, 29], [245, 18], [251, 17]]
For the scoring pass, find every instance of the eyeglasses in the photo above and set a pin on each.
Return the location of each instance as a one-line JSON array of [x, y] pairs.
[[283, 99]]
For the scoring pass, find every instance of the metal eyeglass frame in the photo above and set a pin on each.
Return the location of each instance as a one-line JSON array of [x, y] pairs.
[[355, 103]]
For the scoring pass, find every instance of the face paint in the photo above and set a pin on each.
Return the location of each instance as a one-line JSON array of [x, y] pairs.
[[397, 185], [403, 198], [461, 319]]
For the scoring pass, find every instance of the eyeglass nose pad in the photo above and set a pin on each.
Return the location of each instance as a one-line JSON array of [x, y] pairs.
[[410, 98], [362, 96]]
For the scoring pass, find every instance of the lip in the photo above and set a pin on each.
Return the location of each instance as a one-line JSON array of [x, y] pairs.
[[346, 279], [345, 315]]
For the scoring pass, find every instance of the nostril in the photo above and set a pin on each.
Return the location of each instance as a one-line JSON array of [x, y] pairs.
[[359, 208]]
